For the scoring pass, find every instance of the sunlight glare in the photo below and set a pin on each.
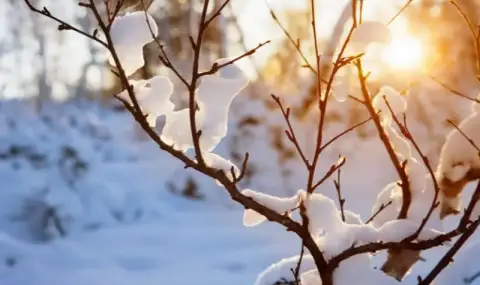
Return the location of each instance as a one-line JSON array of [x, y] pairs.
[[404, 53]]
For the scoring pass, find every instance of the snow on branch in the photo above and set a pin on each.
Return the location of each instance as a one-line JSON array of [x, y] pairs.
[[338, 244]]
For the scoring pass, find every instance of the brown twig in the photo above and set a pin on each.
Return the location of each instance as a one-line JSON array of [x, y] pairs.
[[405, 183], [399, 12], [464, 135], [329, 173], [64, 26], [291, 132], [463, 226], [382, 207], [475, 34], [335, 138], [296, 272], [295, 43], [216, 67], [436, 188], [341, 200], [456, 92]]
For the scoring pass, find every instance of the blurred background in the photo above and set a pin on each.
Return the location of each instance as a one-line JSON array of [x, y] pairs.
[[72, 161]]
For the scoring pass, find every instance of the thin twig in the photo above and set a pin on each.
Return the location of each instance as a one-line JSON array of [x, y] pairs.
[[382, 207], [64, 25], [464, 135], [462, 227], [399, 12], [335, 138], [329, 173], [456, 92], [215, 67], [296, 272], [290, 132], [290, 38], [436, 188], [217, 13], [163, 58], [474, 34], [341, 200]]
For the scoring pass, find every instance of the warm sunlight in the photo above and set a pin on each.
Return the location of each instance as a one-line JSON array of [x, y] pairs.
[[403, 53]]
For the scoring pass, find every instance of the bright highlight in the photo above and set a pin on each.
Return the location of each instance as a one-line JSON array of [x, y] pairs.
[[403, 53]]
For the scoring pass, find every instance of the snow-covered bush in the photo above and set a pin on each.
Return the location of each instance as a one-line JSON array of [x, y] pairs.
[[340, 247]]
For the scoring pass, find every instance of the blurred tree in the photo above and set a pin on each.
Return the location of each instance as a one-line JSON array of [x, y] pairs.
[[38, 63]]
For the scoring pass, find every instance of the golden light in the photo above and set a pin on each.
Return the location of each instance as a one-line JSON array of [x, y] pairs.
[[403, 53]]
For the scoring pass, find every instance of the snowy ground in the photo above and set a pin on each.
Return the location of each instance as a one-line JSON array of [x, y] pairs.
[[187, 246], [122, 225]]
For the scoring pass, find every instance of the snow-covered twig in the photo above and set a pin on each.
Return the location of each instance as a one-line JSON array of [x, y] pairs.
[[464, 226]]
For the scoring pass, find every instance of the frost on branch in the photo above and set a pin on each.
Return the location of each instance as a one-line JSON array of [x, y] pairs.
[[367, 33], [394, 99], [279, 205], [213, 97], [129, 34], [459, 163], [153, 97]]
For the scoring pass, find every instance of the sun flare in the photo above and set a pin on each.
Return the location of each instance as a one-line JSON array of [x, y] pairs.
[[404, 53]]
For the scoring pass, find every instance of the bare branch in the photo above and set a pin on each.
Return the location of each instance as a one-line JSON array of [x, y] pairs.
[[341, 200], [329, 173], [217, 13], [290, 38], [465, 136], [382, 207], [456, 92], [436, 188], [399, 12], [335, 138], [216, 67], [63, 24], [291, 133]]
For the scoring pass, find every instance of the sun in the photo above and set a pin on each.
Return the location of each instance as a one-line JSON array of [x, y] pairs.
[[403, 53]]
